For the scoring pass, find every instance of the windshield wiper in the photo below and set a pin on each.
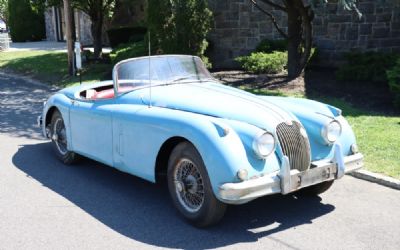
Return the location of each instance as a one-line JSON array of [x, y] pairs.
[[182, 78], [189, 78]]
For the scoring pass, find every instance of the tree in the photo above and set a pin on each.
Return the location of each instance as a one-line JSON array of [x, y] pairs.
[[97, 10], [4, 11], [26, 20], [179, 26], [69, 25], [300, 15]]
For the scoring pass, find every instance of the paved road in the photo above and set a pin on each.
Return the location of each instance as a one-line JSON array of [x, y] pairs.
[[45, 205]]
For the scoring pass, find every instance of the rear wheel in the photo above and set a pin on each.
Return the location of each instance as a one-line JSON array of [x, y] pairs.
[[190, 187], [59, 139], [316, 189]]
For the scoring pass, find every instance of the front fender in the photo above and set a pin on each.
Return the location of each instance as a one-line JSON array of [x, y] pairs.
[[219, 145], [62, 103], [313, 116]]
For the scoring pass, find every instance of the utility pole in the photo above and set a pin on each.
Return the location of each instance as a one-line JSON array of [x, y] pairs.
[[69, 28]]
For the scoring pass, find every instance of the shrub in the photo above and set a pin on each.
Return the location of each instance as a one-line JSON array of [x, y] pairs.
[[393, 76], [26, 21], [179, 26], [125, 51], [369, 66], [268, 46], [122, 35], [259, 62]]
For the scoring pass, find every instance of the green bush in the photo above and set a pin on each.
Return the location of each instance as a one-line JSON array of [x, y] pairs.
[[26, 21], [122, 35], [126, 51], [179, 26], [393, 76], [259, 62], [268, 46], [369, 66]]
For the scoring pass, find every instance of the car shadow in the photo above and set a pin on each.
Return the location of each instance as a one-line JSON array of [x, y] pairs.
[[143, 211]]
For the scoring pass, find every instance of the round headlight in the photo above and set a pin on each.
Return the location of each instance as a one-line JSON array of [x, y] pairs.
[[331, 131], [264, 145]]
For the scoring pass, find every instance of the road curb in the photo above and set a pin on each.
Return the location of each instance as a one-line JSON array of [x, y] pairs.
[[376, 178]]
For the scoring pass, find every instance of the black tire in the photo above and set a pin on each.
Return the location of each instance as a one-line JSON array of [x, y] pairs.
[[316, 189], [195, 200], [59, 139]]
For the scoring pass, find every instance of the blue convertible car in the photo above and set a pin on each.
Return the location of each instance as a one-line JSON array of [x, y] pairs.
[[166, 117]]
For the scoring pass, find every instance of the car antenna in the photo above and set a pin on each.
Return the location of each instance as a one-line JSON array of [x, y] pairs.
[[149, 68]]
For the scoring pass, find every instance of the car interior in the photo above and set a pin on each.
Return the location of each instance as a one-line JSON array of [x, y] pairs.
[[103, 92]]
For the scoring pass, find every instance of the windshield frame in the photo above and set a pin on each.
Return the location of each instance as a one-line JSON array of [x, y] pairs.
[[153, 82]]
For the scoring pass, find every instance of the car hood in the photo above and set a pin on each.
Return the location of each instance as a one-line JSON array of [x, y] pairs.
[[216, 100]]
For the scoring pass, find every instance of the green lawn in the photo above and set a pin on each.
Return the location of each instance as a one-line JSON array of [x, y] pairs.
[[378, 135], [50, 67]]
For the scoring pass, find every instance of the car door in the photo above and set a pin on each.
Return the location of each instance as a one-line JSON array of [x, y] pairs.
[[91, 129]]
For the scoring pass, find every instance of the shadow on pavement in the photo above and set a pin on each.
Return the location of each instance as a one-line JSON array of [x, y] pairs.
[[143, 211], [20, 105]]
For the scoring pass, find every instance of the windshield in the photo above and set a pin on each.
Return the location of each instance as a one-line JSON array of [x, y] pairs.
[[159, 70]]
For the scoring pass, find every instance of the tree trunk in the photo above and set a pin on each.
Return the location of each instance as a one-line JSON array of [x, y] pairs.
[[97, 31], [299, 37], [69, 34], [294, 40]]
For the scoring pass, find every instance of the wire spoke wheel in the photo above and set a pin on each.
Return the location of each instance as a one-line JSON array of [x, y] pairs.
[[189, 185], [59, 136]]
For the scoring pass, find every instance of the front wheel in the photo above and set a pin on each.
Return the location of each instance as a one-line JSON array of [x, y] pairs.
[[190, 188], [59, 139]]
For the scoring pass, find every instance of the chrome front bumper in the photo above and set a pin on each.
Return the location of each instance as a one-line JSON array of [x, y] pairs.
[[286, 180]]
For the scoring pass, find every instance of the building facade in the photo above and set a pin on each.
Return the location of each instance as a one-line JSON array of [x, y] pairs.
[[239, 27], [126, 13]]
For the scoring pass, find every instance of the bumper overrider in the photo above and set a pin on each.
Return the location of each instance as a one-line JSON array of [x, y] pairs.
[[286, 180]]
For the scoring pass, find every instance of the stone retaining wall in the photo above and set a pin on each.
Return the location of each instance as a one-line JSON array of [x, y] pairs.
[[239, 27]]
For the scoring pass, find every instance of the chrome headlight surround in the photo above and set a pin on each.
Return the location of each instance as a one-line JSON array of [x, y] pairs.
[[264, 144], [331, 131]]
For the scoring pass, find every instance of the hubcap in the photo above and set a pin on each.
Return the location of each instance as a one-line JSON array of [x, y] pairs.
[[189, 185], [59, 136]]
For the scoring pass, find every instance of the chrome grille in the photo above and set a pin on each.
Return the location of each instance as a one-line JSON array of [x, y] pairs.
[[294, 145]]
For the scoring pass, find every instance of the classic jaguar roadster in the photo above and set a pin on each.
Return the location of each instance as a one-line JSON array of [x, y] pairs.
[[165, 117]]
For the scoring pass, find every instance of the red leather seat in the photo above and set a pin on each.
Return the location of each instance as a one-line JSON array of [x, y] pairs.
[[109, 93], [105, 94]]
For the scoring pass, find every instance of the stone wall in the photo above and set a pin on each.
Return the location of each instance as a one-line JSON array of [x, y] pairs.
[[239, 27], [84, 35], [50, 26], [337, 31]]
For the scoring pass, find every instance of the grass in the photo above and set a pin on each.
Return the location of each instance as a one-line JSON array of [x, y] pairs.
[[50, 67], [378, 135]]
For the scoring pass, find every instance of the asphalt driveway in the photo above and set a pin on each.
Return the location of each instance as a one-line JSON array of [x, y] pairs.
[[46, 205]]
